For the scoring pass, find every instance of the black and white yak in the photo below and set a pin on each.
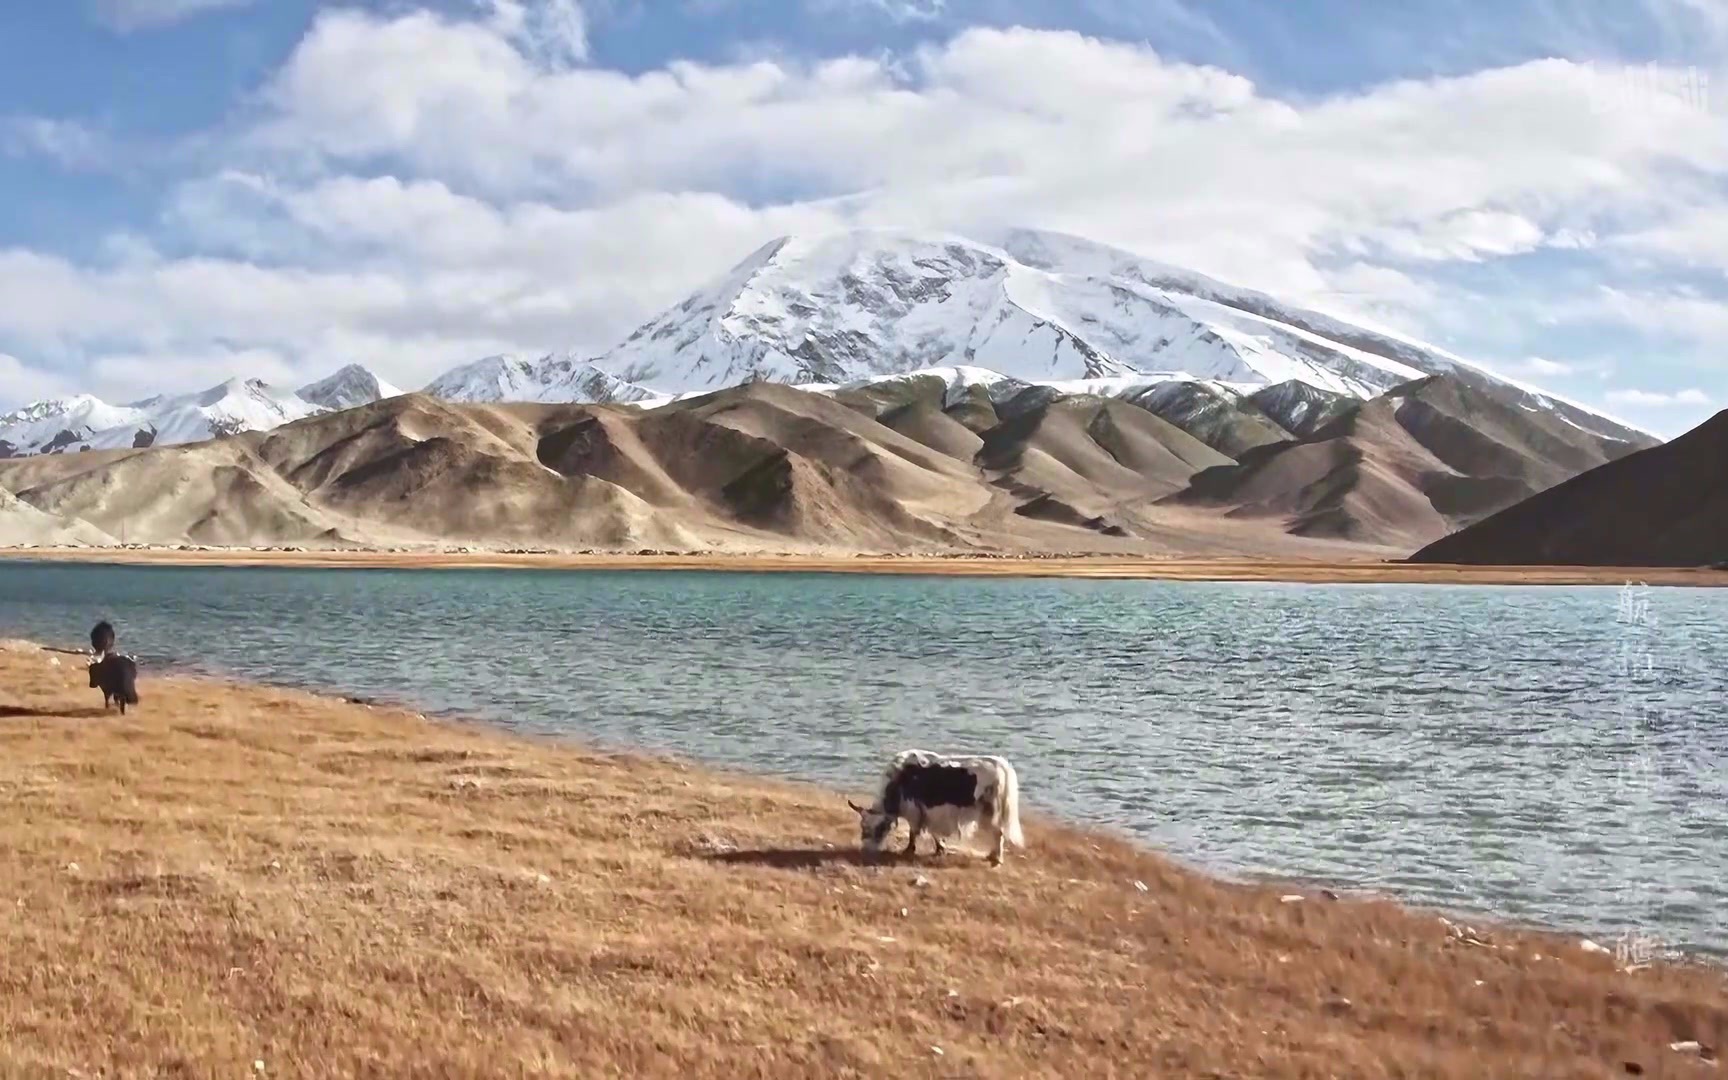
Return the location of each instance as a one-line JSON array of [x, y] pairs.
[[948, 797], [112, 673]]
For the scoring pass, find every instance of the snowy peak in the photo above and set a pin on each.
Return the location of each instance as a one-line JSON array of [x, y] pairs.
[[348, 388], [492, 378], [836, 307], [88, 423], [81, 412], [1038, 307], [226, 409], [550, 378]]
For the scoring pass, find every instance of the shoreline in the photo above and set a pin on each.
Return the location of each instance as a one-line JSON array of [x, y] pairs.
[[1098, 567], [321, 885], [1284, 882]]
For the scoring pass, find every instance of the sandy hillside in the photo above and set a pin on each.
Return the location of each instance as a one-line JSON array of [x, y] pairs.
[[22, 524], [234, 875], [1665, 506], [911, 466]]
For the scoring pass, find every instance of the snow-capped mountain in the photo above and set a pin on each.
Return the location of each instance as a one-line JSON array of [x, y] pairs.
[[88, 423], [1035, 306], [349, 388], [62, 424], [549, 378], [844, 306], [847, 309]]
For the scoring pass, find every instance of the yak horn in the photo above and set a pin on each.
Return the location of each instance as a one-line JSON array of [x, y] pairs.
[[856, 807]]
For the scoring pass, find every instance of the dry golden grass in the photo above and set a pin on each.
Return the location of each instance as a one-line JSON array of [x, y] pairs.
[[230, 875], [1183, 568]]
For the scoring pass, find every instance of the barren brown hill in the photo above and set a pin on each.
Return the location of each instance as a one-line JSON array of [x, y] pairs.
[[234, 881], [758, 467], [1226, 420], [1361, 477], [912, 465], [930, 424], [976, 410], [1404, 468], [1075, 443], [1300, 408], [1483, 435], [1664, 506]]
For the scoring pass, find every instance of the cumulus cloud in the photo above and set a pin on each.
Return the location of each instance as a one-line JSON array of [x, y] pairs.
[[1103, 138], [414, 189], [129, 15]]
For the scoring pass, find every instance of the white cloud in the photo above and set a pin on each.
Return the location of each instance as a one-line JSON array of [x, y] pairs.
[[1703, 24], [1657, 399], [900, 11], [1540, 366], [1467, 236], [1695, 235], [1100, 138], [410, 277], [129, 15], [20, 383], [1545, 371], [65, 142], [416, 189], [1680, 313], [149, 371], [554, 32]]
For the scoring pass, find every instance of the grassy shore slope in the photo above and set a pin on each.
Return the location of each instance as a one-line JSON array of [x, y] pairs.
[[232, 879]]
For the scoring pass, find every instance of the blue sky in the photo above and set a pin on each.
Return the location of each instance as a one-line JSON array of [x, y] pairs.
[[191, 189]]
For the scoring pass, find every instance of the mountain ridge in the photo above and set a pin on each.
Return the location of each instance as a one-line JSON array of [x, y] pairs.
[[920, 463]]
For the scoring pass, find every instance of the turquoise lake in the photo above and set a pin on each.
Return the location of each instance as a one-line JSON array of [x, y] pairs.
[[1552, 755]]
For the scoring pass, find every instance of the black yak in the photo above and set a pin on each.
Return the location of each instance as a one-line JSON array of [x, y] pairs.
[[110, 672], [117, 677]]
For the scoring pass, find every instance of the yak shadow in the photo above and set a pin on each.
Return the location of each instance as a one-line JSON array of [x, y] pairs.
[[793, 858], [15, 712], [813, 858]]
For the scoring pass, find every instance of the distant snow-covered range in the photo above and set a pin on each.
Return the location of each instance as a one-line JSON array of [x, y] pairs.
[[846, 309], [550, 378], [84, 422]]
